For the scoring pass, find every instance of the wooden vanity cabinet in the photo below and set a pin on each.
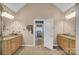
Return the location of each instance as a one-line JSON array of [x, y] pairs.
[[11, 45], [68, 45]]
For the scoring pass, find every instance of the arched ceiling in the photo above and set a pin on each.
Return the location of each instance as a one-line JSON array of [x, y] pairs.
[[17, 6]]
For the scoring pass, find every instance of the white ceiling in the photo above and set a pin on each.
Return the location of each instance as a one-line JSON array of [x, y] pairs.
[[17, 6], [64, 6]]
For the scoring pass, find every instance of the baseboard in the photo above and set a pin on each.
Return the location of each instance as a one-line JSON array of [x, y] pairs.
[[28, 45]]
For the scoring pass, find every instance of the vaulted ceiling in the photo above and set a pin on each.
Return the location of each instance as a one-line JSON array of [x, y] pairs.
[[64, 6], [17, 6]]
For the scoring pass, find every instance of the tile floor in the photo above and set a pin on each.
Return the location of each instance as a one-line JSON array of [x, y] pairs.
[[38, 51]]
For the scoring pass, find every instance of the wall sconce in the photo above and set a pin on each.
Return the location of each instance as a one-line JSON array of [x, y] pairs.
[[7, 15], [71, 15]]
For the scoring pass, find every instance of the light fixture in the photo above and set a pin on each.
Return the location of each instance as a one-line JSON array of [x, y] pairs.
[[71, 15], [7, 15]]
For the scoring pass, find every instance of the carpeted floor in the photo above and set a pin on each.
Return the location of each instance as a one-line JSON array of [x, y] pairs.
[[38, 51]]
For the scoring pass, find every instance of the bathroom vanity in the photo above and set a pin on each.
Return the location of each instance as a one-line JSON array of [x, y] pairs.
[[11, 44], [67, 43]]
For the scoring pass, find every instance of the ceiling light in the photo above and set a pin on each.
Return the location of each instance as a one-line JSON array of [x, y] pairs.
[[71, 15], [7, 15]]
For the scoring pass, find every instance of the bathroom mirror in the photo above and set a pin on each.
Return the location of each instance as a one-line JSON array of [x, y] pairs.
[[0, 30]]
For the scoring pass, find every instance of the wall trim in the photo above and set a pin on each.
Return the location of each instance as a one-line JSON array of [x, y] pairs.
[[28, 45]]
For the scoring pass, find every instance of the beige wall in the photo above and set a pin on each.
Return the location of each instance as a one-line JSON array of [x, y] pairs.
[[39, 11]]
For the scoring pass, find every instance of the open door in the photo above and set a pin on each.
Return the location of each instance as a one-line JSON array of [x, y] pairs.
[[48, 34]]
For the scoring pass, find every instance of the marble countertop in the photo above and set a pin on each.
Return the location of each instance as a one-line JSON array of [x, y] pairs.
[[10, 37], [69, 37]]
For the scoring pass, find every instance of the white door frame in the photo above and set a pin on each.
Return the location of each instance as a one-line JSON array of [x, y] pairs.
[[49, 47], [34, 29]]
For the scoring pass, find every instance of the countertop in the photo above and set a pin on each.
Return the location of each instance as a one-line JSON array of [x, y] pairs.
[[10, 37], [69, 37]]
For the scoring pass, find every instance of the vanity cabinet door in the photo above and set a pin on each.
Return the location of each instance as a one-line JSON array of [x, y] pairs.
[[17, 42], [59, 40], [66, 45], [7, 47], [20, 41], [72, 46], [13, 45], [62, 42]]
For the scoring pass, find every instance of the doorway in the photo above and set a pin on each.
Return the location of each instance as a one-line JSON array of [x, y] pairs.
[[39, 33], [43, 31]]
